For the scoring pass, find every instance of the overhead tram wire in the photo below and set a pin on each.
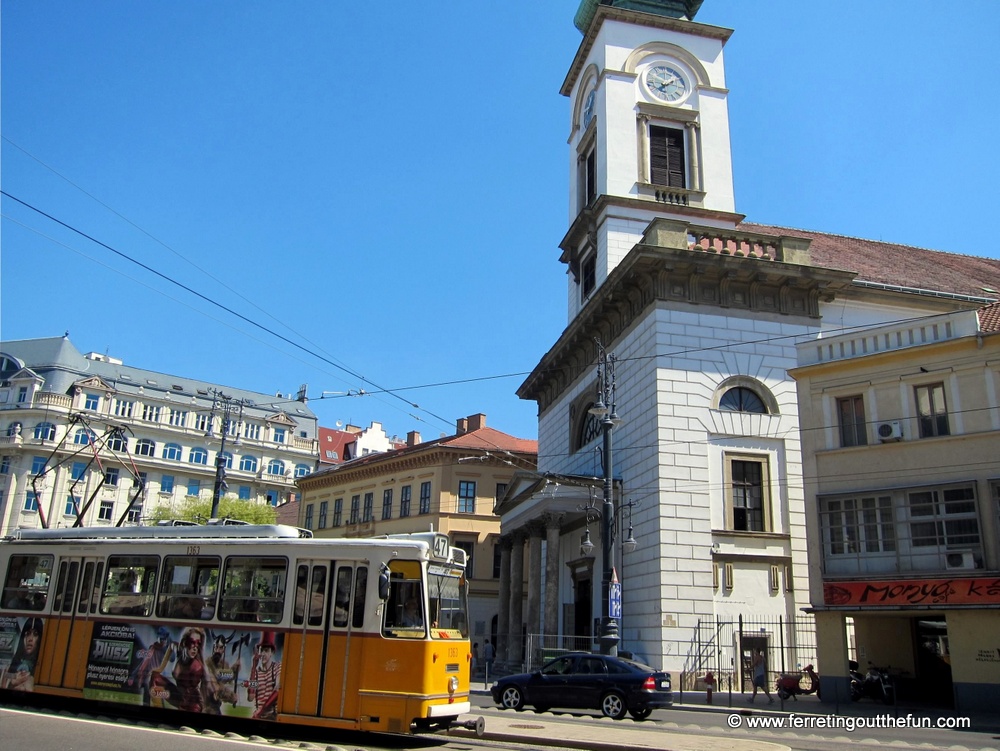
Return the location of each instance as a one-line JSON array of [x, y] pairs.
[[219, 305]]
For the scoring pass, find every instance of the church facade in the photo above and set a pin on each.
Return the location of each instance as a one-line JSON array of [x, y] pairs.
[[698, 314]]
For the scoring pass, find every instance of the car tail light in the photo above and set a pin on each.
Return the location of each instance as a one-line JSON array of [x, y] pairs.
[[650, 684]]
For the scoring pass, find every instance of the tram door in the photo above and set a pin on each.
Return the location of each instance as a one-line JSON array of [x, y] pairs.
[[68, 631], [305, 644], [344, 655]]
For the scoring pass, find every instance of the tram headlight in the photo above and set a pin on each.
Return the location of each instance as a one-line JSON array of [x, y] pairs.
[[452, 685]]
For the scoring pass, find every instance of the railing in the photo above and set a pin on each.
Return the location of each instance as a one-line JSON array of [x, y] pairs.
[[731, 243], [48, 399]]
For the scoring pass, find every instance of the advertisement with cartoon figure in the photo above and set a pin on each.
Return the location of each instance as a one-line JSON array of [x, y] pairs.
[[194, 669], [20, 642]]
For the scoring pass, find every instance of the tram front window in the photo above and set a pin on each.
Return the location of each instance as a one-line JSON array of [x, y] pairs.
[[404, 610], [448, 603]]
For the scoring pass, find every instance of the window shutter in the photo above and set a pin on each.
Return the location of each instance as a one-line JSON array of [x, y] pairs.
[[666, 156], [728, 575]]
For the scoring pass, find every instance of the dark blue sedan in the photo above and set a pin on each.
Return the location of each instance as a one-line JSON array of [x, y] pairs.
[[580, 680]]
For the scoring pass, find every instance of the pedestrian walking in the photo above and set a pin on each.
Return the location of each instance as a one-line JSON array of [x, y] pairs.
[[489, 654], [758, 669]]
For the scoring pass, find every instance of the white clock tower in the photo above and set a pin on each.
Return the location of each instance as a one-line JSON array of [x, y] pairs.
[[649, 132]]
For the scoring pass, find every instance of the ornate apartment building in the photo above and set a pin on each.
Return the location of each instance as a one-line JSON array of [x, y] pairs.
[[86, 439]]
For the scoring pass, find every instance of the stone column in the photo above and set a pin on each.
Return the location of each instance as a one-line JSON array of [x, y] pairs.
[[503, 610], [642, 124], [694, 148], [533, 620], [552, 530], [515, 647]]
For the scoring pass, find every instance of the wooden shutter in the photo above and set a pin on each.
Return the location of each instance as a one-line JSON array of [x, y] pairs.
[[666, 156]]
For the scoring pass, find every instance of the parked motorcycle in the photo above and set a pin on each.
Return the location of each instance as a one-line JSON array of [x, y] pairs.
[[791, 684], [876, 684]]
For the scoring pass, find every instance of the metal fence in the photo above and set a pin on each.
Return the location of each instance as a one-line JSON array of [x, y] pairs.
[[723, 646]]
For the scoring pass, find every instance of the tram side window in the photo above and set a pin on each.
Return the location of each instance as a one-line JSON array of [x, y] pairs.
[[253, 589], [26, 584], [130, 585], [311, 597], [189, 588], [404, 610], [342, 599], [65, 586], [90, 589]]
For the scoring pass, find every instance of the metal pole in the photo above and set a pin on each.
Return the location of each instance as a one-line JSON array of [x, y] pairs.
[[220, 462], [609, 626]]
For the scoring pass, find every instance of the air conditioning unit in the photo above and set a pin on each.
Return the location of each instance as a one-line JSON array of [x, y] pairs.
[[964, 559], [890, 431]]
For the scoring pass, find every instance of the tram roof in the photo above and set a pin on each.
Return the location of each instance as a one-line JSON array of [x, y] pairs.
[[235, 531]]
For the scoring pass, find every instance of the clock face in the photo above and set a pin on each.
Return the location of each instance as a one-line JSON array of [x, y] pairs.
[[588, 110], [666, 83]]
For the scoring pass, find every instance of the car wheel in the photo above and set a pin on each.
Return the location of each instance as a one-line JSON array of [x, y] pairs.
[[541, 708], [512, 698], [641, 714], [613, 705]]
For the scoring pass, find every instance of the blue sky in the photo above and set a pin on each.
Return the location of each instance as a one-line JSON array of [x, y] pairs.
[[385, 184]]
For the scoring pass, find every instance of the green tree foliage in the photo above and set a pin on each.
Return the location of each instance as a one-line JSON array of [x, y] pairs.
[[199, 510]]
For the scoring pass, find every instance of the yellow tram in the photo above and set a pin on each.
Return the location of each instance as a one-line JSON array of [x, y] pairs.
[[260, 622]]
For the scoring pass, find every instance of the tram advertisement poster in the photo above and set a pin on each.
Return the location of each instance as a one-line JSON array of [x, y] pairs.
[[20, 643], [228, 671]]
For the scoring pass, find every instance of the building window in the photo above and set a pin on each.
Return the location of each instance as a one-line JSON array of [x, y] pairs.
[[742, 399], [91, 402], [72, 505], [322, 514], [355, 509], [469, 546], [301, 470], [666, 156], [853, 427], [134, 515], [943, 518], [227, 459], [84, 436], [747, 496], [107, 511], [172, 451], [5, 465], [368, 509], [501, 490], [45, 431], [38, 465], [276, 467], [22, 395], [932, 414], [309, 516], [248, 463], [466, 497], [387, 503], [338, 512], [405, 494], [111, 475], [193, 487], [124, 407], [79, 468], [252, 431], [151, 412], [279, 435], [145, 447], [14, 429], [496, 560], [117, 442], [244, 493], [178, 417], [588, 276], [198, 455], [857, 525], [425, 498], [203, 423], [141, 480], [273, 497], [167, 484], [30, 501]]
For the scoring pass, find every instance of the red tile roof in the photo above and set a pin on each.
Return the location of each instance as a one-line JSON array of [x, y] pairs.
[[989, 318], [898, 265], [335, 441]]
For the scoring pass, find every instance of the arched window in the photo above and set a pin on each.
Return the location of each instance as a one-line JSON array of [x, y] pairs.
[[118, 442], [301, 470], [83, 436], [229, 459], [45, 431], [145, 447], [742, 399], [172, 451], [276, 467], [248, 463], [198, 455]]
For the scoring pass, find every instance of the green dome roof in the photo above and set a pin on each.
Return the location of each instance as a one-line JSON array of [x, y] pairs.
[[671, 8]]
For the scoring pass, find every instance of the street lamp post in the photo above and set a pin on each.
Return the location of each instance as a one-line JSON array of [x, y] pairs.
[[227, 405], [605, 410]]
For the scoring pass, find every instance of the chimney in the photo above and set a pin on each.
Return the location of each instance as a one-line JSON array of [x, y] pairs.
[[412, 438], [477, 421], [462, 426]]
